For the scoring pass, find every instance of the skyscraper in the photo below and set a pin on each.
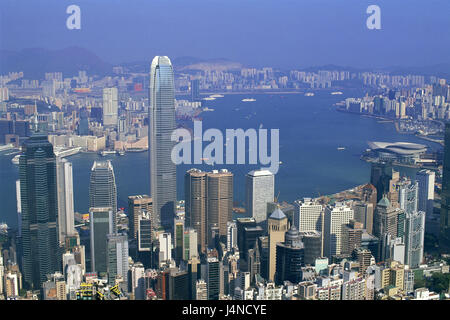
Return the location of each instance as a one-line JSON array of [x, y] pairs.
[[65, 199], [289, 258], [308, 215], [219, 200], [110, 107], [135, 205], [102, 188], [195, 90], [117, 259], [334, 219], [162, 124], [363, 212], [277, 226], [101, 224], [39, 204], [426, 180], [195, 204], [259, 190], [414, 238]]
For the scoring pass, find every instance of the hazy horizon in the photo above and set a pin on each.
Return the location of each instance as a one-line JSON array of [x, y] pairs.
[[283, 34]]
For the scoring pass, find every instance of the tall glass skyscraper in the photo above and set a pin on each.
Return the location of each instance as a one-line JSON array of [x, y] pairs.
[[162, 124], [259, 190], [39, 202], [102, 188], [445, 195]]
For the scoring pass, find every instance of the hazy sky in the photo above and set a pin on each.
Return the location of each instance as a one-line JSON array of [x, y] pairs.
[[280, 33]]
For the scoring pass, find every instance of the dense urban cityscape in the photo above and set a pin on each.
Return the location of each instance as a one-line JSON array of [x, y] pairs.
[[375, 241]]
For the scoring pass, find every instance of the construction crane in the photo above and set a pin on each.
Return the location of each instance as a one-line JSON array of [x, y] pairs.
[[276, 198]]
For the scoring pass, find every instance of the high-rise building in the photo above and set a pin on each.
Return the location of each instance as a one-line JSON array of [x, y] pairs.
[[219, 201], [335, 218], [201, 290], [231, 235], [39, 204], [426, 180], [165, 248], [308, 215], [277, 226], [135, 205], [351, 236], [162, 124], [101, 224], [312, 241], [195, 90], [138, 281], [110, 107], [259, 190], [190, 247], [144, 238], [385, 219], [289, 258], [117, 260], [414, 238], [369, 194], [408, 195], [65, 199], [195, 204], [102, 188], [178, 239], [445, 195], [213, 278], [364, 214]]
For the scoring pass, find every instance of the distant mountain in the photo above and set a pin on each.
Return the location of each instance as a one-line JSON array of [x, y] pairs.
[[330, 67], [35, 62]]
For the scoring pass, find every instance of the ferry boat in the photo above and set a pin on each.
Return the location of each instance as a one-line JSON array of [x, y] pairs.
[[65, 152], [216, 96], [104, 153], [309, 94], [209, 98], [248, 100], [336, 92], [207, 109], [341, 148], [15, 160], [121, 153]]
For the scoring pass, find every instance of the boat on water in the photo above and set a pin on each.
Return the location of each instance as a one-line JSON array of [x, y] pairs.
[[65, 152], [309, 94], [207, 109], [121, 153], [336, 92], [209, 98], [248, 100], [104, 153], [15, 160], [341, 148], [216, 96]]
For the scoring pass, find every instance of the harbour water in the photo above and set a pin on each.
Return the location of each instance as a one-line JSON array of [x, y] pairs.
[[311, 131]]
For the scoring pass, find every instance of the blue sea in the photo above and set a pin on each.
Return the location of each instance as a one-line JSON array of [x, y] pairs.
[[310, 130]]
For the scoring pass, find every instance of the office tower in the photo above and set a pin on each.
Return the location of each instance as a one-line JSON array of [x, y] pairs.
[[259, 190], [351, 236], [364, 214], [408, 286], [66, 217], [201, 290], [213, 278], [195, 90], [162, 284], [194, 271], [426, 180], [178, 241], [165, 248], [364, 257], [381, 174], [19, 209], [231, 235], [254, 261], [110, 107], [138, 281], [312, 241], [289, 258], [219, 200], [83, 125], [385, 219], [144, 238], [369, 194], [102, 188], [335, 218], [414, 238], [308, 215], [117, 260], [277, 226], [190, 247], [408, 195], [39, 204], [135, 205], [101, 224], [162, 124], [445, 195], [178, 284], [195, 204]]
